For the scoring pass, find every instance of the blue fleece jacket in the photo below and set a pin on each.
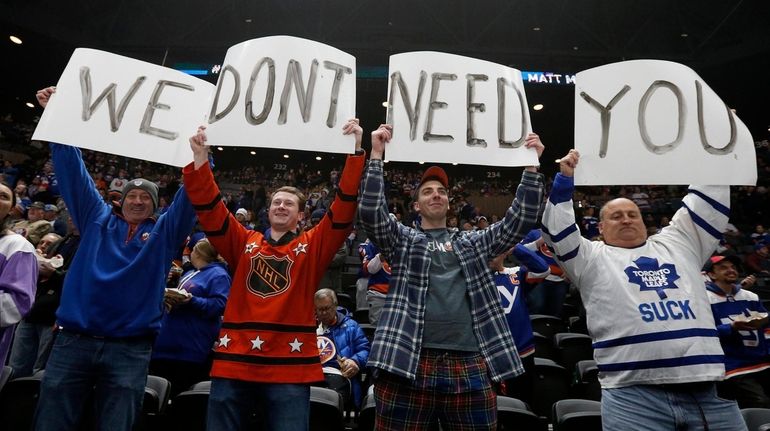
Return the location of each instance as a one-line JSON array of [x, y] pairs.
[[114, 287], [188, 332]]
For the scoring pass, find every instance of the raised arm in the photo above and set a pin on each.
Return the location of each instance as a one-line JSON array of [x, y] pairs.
[[380, 227], [699, 224], [75, 183], [536, 265], [178, 220], [337, 223], [522, 215], [560, 231], [221, 228]]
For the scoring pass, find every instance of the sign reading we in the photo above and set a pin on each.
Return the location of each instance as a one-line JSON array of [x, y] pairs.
[[657, 122], [119, 105], [448, 108]]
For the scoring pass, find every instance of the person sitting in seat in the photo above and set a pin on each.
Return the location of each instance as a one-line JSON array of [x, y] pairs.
[[342, 345], [190, 326]]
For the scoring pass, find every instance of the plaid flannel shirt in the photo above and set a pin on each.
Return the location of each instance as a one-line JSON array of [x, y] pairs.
[[398, 338]]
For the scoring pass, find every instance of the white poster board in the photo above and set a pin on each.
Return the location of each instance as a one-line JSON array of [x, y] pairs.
[[657, 122], [448, 108], [284, 92], [118, 105]]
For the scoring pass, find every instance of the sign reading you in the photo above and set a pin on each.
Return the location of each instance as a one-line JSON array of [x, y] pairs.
[[657, 122]]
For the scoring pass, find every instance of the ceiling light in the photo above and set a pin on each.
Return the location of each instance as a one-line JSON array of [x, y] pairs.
[[385, 104], [248, 20], [538, 107], [387, 161], [15, 40], [454, 164], [318, 157], [422, 163], [29, 105], [253, 153], [575, 48], [220, 149], [684, 35], [285, 156], [535, 28]]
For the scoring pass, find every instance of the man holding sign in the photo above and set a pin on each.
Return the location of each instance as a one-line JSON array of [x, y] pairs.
[[655, 342], [267, 353], [111, 303], [442, 337]]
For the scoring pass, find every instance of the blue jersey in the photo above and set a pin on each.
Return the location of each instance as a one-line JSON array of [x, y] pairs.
[[745, 351], [513, 284], [540, 248], [590, 225], [379, 279]]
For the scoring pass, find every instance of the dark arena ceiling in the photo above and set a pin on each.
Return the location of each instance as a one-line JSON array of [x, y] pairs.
[[726, 42]]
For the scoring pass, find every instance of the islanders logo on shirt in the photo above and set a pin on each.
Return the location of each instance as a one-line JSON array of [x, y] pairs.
[[650, 275], [326, 349]]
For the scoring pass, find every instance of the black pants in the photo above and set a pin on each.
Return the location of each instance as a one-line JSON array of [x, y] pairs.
[[749, 390], [181, 374], [522, 387]]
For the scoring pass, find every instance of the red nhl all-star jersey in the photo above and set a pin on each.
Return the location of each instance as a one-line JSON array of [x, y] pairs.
[[269, 330]]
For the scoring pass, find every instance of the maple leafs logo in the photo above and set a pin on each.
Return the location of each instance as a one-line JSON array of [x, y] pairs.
[[649, 275]]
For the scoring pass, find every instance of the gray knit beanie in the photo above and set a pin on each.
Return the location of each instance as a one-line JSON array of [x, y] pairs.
[[146, 185]]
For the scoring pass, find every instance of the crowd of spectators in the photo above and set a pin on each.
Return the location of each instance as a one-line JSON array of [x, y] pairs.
[[248, 187]]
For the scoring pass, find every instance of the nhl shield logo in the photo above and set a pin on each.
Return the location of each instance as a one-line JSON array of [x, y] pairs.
[[269, 275]]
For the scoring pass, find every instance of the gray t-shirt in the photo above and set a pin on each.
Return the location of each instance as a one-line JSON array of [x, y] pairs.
[[448, 320]]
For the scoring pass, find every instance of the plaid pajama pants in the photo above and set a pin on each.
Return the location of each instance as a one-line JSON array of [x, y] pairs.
[[451, 387]]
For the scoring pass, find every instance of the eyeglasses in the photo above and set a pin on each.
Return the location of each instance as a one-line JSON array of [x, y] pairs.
[[327, 309]]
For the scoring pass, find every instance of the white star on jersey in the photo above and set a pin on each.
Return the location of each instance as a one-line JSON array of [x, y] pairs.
[[257, 343], [224, 341], [295, 345], [250, 247], [300, 248]]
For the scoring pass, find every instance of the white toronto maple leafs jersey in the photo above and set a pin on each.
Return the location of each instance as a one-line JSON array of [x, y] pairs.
[[647, 311]]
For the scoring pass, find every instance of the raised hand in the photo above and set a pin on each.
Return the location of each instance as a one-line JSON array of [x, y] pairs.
[[533, 141], [44, 95], [352, 127], [380, 137], [568, 163], [199, 148]]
